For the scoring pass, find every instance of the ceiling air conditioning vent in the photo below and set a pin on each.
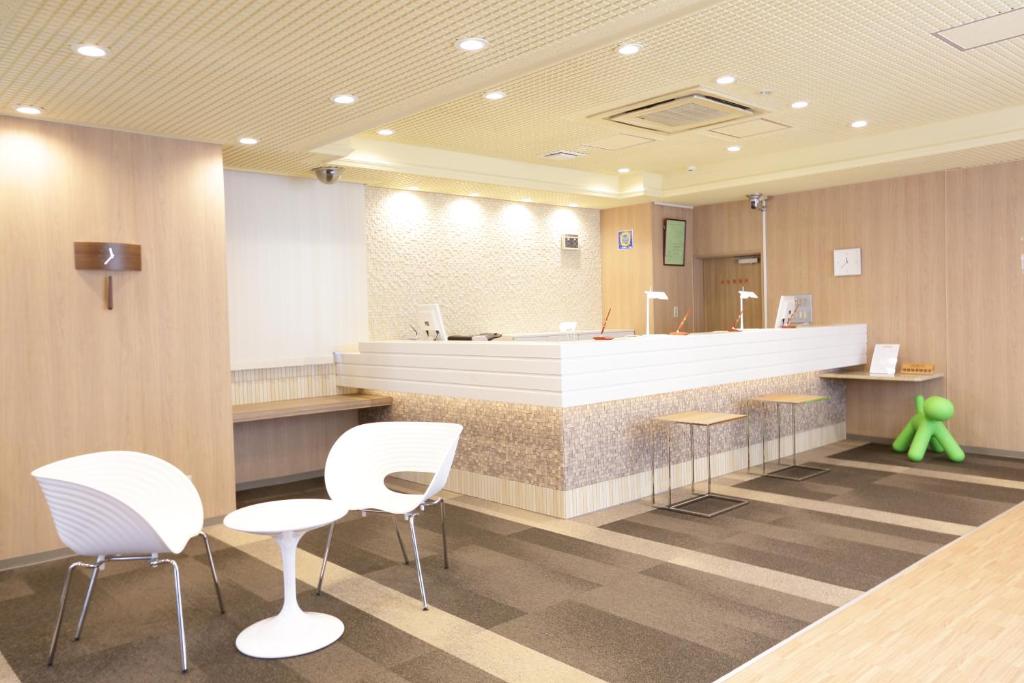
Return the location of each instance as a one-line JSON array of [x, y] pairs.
[[680, 112]]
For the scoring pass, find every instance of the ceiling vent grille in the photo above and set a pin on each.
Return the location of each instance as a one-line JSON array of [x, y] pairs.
[[680, 112]]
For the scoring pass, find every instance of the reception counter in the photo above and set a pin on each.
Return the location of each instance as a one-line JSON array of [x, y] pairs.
[[566, 427]]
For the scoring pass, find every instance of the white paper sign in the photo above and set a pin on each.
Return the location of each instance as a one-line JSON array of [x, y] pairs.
[[883, 360]]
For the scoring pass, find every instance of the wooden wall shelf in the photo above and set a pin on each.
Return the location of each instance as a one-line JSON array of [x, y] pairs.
[[251, 412], [898, 377]]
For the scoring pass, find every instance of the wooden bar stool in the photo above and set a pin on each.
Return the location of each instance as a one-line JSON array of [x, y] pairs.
[[706, 420], [792, 472]]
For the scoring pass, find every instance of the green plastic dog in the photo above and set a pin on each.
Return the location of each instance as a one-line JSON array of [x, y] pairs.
[[927, 430]]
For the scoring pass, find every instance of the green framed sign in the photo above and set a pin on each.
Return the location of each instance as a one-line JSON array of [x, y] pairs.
[[675, 242]]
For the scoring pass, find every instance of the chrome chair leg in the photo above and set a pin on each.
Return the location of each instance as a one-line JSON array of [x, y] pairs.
[[444, 535], [177, 599], [401, 545], [60, 610], [416, 554], [213, 571], [88, 595], [323, 565]]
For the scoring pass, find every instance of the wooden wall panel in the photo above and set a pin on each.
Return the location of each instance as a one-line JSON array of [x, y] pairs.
[[626, 274], [985, 324], [270, 449], [676, 281], [729, 229], [152, 374], [901, 295]]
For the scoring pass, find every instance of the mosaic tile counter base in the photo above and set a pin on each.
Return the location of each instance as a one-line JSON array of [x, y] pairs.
[[570, 461]]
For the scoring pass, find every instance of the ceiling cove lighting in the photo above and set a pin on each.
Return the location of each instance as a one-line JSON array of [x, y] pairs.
[[248, 141], [494, 95], [344, 98], [733, 148], [727, 79], [472, 44], [628, 49], [28, 109], [90, 50], [859, 123], [799, 104], [624, 170], [385, 132]]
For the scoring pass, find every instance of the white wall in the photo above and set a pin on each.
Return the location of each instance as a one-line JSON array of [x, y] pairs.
[[296, 269], [494, 266]]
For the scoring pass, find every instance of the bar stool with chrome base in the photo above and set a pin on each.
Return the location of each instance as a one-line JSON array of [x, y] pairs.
[[792, 472], [706, 420]]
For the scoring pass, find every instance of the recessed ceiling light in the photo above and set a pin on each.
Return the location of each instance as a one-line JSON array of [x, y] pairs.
[[725, 80], [28, 109], [248, 141], [474, 194], [627, 49], [575, 206], [733, 148], [472, 44], [799, 104], [494, 95], [859, 123], [385, 132], [344, 98], [624, 170], [90, 51]]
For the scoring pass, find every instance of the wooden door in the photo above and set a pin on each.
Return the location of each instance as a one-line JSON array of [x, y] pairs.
[[723, 279]]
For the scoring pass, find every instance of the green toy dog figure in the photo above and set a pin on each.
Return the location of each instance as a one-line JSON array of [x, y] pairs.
[[926, 430]]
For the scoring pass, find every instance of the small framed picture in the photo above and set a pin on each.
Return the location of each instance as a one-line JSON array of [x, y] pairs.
[[625, 240], [675, 242]]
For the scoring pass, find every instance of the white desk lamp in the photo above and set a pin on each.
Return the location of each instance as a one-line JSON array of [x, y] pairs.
[[651, 295], [744, 295]]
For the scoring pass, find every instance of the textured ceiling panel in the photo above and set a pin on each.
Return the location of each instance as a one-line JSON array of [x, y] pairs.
[[875, 60], [217, 70]]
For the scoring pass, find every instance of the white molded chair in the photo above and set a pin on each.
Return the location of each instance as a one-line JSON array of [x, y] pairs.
[[122, 505], [364, 456]]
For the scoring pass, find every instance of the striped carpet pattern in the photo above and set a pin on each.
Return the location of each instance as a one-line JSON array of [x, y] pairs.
[[627, 594]]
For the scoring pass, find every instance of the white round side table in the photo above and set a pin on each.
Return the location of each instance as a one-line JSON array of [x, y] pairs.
[[291, 632]]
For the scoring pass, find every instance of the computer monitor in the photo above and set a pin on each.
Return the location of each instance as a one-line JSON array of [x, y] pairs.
[[431, 323]]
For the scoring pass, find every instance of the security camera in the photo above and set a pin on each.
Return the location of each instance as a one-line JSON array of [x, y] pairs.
[[758, 202], [327, 174]]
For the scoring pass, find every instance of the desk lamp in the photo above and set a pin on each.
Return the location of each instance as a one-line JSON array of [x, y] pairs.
[[651, 295], [744, 295]]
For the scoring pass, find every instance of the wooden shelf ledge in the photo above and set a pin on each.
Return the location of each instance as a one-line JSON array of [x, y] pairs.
[[250, 412], [861, 375]]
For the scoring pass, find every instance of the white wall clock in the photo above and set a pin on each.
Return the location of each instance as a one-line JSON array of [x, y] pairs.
[[846, 262]]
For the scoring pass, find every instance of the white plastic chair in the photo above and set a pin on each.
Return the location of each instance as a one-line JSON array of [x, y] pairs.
[[122, 505], [364, 456]]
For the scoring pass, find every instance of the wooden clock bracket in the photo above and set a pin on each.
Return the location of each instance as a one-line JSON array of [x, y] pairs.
[[108, 256]]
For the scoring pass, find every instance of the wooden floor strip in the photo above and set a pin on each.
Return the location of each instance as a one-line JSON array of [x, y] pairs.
[[929, 474], [475, 645]]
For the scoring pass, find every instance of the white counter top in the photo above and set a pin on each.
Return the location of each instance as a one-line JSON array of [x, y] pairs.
[[563, 374]]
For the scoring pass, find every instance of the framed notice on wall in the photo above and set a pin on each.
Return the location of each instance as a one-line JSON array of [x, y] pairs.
[[675, 242]]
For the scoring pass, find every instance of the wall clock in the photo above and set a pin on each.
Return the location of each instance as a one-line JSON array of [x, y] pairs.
[[846, 262]]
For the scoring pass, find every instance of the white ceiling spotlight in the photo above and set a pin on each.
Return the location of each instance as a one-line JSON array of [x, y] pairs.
[[90, 50], [733, 148], [623, 170], [726, 79], [628, 49], [799, 104], [859, 123], [472, 44], [385, 132], [29, 109], [344, 98], [494, 95], [248, 141]]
